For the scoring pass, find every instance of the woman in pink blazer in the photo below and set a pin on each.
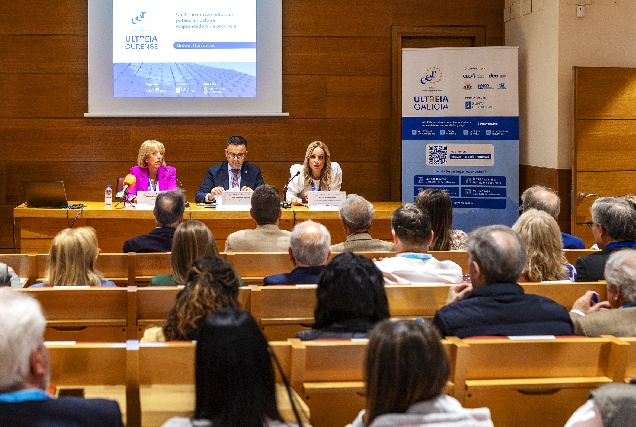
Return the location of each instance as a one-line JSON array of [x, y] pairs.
[[151, 171]]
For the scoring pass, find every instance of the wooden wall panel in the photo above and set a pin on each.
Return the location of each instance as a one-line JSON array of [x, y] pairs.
[[336, 88], [606, 93]]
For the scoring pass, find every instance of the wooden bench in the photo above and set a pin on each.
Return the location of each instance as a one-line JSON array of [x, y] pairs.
[[253, 266], [84, 314], [115, 267], [573, 254], [536, 382], [23, 265]]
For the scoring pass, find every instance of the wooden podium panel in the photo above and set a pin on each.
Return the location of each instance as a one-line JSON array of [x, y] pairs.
[[38, 226]]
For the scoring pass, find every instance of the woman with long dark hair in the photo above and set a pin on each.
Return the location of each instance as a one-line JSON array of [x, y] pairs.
[[439, 207]]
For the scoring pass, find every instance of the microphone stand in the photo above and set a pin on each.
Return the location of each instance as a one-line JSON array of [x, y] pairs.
[[187, 204], [285, 204]]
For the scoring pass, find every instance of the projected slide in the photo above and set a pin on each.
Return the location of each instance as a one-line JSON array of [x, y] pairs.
[[185, 48]]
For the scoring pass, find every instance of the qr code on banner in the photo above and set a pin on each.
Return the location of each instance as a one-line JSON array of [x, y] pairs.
[[437, 154]]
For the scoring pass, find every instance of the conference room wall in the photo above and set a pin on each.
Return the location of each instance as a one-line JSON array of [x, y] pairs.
[[336, 88]]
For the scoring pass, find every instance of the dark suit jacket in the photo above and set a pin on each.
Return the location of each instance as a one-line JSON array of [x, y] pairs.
[[158, 240], [298, 276], [502, 309], [217, 176], [62, 412], [590, 268]]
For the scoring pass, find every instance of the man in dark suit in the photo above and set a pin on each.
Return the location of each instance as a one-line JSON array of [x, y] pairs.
[[169, 207], [25, 372], [614, 228], [233, 173], [593, 318], [356, 214], [309, 251], [495, 304]]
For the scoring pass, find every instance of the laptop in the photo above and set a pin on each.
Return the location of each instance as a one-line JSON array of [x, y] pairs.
[[41, 194]]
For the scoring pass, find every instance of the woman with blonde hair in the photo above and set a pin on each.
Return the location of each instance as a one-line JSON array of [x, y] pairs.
[[440, 210], [151, 171], [542, 238], [406, 371], [317, 173], [192, 240], [71, 260]]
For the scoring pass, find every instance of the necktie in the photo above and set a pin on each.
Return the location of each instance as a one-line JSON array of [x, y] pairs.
[[235, 182]]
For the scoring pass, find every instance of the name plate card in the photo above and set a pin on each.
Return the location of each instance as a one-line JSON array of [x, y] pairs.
[[146, 200], [236, 198], [325, 198]]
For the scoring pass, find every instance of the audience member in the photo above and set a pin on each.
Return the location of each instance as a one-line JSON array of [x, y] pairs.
[[71, 260], [350, 299], [545, 259], [406, 371], [309, 251], [614, 228], [545, 199], [8, 277], [411, 229], [211, 284], [25, 373], [496, 305], [234, 378], [168, 212], [593, 319], [192, 240], [317, 173], [151, 172], [267, 237], [232, 174], [611, 405], [439, 207], [356, 214]]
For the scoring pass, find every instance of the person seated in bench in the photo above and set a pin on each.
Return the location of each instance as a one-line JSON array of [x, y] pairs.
[[611, 405], [309, 251], [495, 304], [168, 212], [439, 207], [542, 238], [71, 260], [192, 240], [234, 380], [8, 277], [412, 235], [211, 284], [25, 373], [350, 299], [406, 371], [593, 319], [356, 214]]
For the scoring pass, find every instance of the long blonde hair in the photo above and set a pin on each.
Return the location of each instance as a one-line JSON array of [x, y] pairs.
[[72, 259], [148, 147], [542, 237], [325, 173], [192, 240]]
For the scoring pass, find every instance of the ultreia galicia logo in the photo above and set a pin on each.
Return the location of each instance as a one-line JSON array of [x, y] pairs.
[[433, 75], [138, 18]]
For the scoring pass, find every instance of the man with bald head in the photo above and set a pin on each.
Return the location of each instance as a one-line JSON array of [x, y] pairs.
[[495, 304], [309, 251], [545, 199]]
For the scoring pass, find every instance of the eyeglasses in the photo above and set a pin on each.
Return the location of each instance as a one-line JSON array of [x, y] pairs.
[[591, 224], [235, 155]]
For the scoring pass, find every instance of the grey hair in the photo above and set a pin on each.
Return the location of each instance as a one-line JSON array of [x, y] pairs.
[[541, 198], [310, 242], [617, 216], [620, 270], [22, 327], [356, 213], [499, 252]]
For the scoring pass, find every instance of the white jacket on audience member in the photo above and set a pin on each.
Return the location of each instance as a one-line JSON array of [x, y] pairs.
[[443, 411]]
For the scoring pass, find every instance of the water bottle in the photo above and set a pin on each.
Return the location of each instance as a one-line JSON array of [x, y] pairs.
[[108, 197]]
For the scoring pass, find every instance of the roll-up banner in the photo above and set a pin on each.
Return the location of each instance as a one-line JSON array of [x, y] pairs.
[[460, 130]]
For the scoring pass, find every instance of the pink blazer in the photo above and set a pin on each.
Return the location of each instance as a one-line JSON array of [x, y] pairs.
[[166, 178]]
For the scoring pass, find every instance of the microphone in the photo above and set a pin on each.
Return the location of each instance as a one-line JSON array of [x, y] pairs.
[[128, 181], [285, 204], [187, 204]]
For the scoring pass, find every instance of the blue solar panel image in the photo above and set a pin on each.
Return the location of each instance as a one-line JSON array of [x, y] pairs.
[[180, 79]]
